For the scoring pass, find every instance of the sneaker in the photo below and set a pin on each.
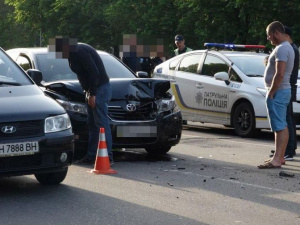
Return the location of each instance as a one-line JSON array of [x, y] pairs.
[[85, 161], [111, 162], [288, 158]]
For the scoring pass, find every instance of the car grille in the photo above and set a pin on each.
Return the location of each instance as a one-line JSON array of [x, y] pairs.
[[144, 112], [24, 129]]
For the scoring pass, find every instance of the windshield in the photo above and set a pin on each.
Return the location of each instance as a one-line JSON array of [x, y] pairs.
[[10, 73], [251, 65], [58, 69]]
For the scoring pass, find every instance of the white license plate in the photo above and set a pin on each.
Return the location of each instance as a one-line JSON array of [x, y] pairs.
[[136, 131], [21, 148]]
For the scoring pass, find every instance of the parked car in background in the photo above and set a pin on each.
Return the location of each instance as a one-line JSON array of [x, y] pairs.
[[142, 113], [221, 87], [35, 131]]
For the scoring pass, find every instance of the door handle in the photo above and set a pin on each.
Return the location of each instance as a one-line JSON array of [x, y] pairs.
[[199, 86]]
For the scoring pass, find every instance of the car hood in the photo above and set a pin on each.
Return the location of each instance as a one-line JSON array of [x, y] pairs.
[[28, 102], [122, 89]]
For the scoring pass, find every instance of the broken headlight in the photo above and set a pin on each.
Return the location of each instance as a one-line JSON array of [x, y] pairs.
[[164, 105], [73, 106]]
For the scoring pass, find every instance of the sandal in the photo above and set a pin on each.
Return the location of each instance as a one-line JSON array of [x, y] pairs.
[[268, 165], [269, 160]]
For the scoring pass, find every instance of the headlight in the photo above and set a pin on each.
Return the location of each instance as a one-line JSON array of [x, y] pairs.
[[263, 91], [73, 106], [57, 123], [164, 105]]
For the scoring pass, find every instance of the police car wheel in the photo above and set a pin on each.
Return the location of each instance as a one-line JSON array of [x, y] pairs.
[[158, 150], [244, 120], [52, 178]]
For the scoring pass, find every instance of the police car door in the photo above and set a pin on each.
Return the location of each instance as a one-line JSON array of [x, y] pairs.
[[184, 84], [212, 97]]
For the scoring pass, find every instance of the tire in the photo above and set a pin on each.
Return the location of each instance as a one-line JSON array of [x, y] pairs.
[[158, 150], [244, 120], [51, 178]]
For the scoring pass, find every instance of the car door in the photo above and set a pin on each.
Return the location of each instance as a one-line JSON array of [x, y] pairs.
[[212, 97], [183, 84]]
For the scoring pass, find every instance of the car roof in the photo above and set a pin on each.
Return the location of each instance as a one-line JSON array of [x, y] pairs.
[[225, 52], [41, 50]]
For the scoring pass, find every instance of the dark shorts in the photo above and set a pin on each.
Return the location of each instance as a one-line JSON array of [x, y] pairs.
[[277, 108]]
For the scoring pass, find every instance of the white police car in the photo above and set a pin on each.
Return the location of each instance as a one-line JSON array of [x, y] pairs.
[[221, 87]]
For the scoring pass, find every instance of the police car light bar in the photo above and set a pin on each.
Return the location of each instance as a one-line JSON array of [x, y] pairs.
[[232, 46]]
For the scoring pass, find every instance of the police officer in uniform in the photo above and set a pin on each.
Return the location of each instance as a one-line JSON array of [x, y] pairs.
[[181, 48]]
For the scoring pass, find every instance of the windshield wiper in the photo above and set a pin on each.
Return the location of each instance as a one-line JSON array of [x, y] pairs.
[[255, 75], [11, 83]]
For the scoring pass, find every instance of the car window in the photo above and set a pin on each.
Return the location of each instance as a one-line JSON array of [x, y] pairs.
[[23, 62], [233, 76], [190, 63], [53, 68], [251, 65], [58, 69], [213, 65], [173, 64], [10, 73], [114, 68]]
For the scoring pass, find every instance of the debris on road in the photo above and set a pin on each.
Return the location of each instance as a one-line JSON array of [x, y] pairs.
[[284, 174]]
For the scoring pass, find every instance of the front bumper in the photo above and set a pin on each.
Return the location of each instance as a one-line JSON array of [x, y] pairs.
[[169, 129], [47, 160]]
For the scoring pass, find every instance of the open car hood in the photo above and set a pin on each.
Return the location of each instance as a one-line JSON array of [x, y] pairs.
[[122, 89]]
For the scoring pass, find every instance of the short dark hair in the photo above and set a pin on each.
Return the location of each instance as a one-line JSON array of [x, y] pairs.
[[276, 26], [288, 31]]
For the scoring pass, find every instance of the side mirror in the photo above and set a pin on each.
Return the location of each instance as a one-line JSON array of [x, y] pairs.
[[222, 76], [142, 74], [36, 76]]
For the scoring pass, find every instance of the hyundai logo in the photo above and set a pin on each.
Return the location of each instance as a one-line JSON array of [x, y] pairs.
[[131, 107], [8, 129]]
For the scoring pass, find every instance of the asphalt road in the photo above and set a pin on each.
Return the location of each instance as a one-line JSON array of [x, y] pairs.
[[211, 177]]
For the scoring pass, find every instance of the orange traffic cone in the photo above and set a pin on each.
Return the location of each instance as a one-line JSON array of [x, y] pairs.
[[102, 165]]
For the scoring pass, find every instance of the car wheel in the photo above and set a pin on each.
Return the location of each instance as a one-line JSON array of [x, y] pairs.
[[158, 150], [52, 178], [244, 120]]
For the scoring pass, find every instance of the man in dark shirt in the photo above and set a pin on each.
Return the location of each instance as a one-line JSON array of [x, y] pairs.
[[87, 64], [292, 144]]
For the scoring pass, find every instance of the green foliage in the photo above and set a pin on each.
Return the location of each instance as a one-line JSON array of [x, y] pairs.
[[102, 23]]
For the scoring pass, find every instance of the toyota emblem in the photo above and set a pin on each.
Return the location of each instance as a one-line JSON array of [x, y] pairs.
[[131, 107], [8, 129]]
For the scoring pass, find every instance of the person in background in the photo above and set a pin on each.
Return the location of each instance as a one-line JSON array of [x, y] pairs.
[[292, 144], [180, 43], [277, 82]]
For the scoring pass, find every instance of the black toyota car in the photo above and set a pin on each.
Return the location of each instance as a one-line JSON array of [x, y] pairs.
[[142, 112], [36, 136]]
